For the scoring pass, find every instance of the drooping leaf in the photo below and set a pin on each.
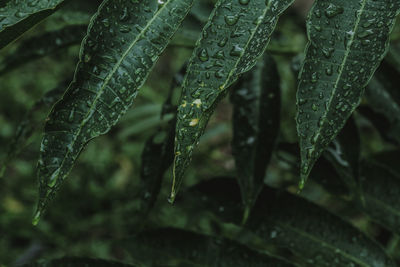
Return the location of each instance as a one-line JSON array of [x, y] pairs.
[[286, 221], [234, 38], [256, 115], [172, 247], [383, 97], [42, 45], [124, 40], [17, 16], [74, 262], [347, 41], [30, 123], [344, 154], [381, 188], [157, 155]]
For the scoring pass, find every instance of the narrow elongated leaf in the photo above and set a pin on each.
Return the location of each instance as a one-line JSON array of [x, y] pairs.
[[347, 41], [290, 222], [234, 38], [30, 123], [18, 16], [74, 262], [170, 247], [43, 45], [256, 116], [381, 188], [124, 41], [383, 97]]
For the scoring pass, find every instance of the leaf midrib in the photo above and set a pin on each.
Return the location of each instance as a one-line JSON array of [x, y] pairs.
[[108, 78], [227, 80], [317, 240], [341, 70]]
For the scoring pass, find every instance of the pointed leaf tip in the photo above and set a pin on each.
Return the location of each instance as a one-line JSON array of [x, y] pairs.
[[36, 217]]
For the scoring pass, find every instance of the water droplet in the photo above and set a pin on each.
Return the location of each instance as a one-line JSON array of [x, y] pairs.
[[203, 55]]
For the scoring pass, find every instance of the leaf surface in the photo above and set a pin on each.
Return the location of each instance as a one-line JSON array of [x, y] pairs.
[[286, 221], [347, 41], [30, 123], [42, 45], [256, 115], [381, 188], [18, 16], [383, 96], [124, 40], [171, 247], [234, 38]]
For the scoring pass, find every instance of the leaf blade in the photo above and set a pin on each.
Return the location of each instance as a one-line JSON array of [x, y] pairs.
[[333, 77], [106, 81], [16, 17], [256, 115], [224, 58]]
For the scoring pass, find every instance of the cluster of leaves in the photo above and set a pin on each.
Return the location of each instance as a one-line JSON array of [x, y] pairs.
[[242, 221]]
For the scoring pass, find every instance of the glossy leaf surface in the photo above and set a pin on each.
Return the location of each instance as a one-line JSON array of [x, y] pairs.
[[171, 247], [18, 16], [234, 38], [286, 221], [256, 115], [347, 41], [124, 41], [42, 45]]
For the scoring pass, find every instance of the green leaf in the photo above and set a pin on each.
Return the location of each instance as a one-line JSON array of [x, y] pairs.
[[172, 247], [381, 188], [282, 220], [384, 98], [234, 38], [16, 17], [30, 123], [256, 115], [73, 262], [42, 45], [124, 40], [347, 41]]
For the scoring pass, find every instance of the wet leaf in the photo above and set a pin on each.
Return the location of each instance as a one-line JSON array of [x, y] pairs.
[[73, 262], [347, 41], [124, 40], [16, 17], [42, 45], [381, 188], [171, 247], [289, 222], [234, 38], [30, 123], [256, 100]]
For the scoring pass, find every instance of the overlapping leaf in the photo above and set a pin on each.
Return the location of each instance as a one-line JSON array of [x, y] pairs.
[[381, 188], [286, 221], [383, 97], [124, 40], [235, 36], [347, 41], [42, 45], [256, 100], [30, 123], [172, 247], [17, 16]]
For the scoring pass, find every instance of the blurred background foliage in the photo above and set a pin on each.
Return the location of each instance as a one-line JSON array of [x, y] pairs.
[[98, 205]]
